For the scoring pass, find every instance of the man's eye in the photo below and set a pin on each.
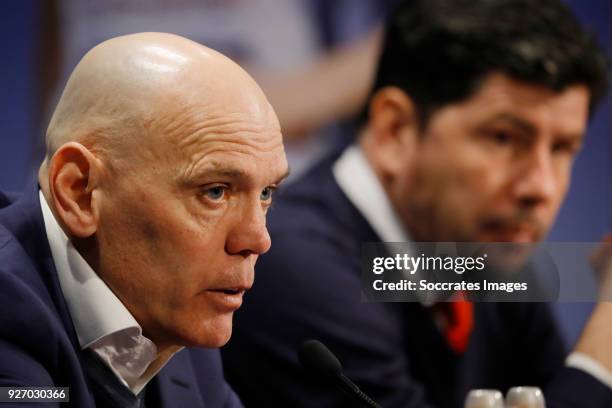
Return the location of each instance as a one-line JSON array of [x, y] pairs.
[[215, 193], [565, 147], [501, 137], [266, 193]]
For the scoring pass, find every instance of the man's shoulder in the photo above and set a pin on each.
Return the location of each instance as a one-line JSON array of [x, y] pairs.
[[314, 208], [35, 346], [28, 309], [32, 333], [312, 195], [23, 246]]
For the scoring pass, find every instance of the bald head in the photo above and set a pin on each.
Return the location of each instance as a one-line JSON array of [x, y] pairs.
[[128, 86]]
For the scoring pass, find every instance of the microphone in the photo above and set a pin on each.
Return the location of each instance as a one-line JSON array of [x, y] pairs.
[[319, 360]]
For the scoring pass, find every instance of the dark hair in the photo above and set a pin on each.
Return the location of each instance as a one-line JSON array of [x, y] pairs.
[[438, 51]]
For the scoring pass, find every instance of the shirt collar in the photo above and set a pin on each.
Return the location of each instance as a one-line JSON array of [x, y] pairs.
[[358, 181]]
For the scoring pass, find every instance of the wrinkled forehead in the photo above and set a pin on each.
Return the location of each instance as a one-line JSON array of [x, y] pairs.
[[191, 135]]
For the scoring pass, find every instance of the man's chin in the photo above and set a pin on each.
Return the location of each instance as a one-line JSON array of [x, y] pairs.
[[216, 334], [505, 257], [213, 333]]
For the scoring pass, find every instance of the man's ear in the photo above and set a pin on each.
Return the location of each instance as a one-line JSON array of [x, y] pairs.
[[392, 130], [73, 178]]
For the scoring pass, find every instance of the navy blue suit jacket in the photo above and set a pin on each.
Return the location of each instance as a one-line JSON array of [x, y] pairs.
[[308, 286], [38, 343]]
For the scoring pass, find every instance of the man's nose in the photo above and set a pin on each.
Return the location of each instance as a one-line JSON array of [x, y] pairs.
[[249, 235], [536, 182]]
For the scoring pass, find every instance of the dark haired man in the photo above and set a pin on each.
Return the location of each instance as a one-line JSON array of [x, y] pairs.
[[477, 113]]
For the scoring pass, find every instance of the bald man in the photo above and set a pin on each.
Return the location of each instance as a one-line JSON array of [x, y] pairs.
[[142, 235]]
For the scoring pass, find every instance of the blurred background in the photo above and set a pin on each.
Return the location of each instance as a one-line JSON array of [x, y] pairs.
[[313, 58]]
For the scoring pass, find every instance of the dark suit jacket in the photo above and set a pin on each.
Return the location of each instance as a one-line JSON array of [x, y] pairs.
[[308, 286], [38, 343]]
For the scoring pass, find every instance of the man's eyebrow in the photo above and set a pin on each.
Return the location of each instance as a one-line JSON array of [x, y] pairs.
[[528, 127], [513, 120], [217, 170], [283, 176], [220, 170]]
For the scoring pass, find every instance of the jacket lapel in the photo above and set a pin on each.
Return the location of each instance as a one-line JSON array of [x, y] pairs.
[[177, 383]]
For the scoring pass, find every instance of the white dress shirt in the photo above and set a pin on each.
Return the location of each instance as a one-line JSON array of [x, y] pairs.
[[102, 323], [358, 181]]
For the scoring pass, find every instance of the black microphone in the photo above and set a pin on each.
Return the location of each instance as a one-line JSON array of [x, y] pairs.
[[317, 359]]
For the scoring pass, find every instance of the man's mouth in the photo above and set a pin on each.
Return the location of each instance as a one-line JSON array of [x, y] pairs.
[[510, 232], [230, 291], [227, 299]]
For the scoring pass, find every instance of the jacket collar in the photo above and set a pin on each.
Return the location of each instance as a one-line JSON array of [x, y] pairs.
[[23, 218]]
